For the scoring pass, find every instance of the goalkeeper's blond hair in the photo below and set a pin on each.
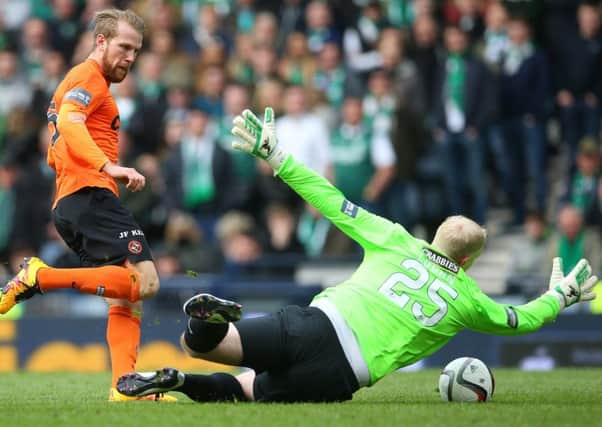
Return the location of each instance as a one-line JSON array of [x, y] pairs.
[[459, 237]]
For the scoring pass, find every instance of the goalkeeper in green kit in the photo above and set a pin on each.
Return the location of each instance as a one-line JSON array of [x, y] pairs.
[[405, 301]]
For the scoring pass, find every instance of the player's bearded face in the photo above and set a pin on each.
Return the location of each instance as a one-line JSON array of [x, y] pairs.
[[120, 52]]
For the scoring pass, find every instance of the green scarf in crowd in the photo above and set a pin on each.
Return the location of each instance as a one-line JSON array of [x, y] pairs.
[[456, 74], [198, 182], [571, 252]]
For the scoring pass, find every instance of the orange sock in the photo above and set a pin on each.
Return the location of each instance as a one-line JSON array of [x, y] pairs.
[[123, 337], [110, 281]]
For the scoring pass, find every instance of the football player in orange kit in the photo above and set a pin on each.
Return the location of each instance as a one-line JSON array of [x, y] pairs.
[[84, 126]]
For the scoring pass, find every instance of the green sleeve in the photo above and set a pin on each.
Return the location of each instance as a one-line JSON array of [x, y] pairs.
[[503, 319], [357, 223]]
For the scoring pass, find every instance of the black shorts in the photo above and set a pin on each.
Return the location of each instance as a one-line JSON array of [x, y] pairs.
[[297, 357], [101, 231]]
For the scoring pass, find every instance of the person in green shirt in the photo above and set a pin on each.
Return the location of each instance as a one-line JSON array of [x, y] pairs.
[[405, 301]]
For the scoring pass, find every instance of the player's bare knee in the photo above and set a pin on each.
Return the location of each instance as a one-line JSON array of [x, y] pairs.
[[149, 285], [114, 302], [148, 278]]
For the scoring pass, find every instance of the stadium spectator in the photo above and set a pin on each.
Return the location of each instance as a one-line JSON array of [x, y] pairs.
[[360, 41], [244, 17], [35, 42], [319, 26], [332, 78], [177, 66], [54, 68], [240, 246], [585, 188], [265, 30], [571, 241], [579, 88], [362, 157], [492, 50], [281, 226], [291, 16], [466, 15], [206, 30], [26, 151], [297, 65], [407, 85], [147, 205], [524, 100], [264, 63], [65, 27], [379, 103], [426, 53], [464, 106], [302, 132], [15, 91], [185, 242], [210, 91], [150, 104], [244, 168], [529, 264], [239, 65], [195, 172], [327, 351]]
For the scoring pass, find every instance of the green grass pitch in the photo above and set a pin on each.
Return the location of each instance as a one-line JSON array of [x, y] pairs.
[[568, 397]]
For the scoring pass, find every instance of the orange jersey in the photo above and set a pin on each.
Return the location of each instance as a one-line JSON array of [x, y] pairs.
[[78, 151]]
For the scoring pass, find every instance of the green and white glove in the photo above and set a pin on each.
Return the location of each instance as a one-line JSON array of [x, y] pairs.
[[258, 139], [575, 287]]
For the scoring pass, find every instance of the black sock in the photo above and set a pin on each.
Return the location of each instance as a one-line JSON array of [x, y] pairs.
[[203, 337], [218, 387]]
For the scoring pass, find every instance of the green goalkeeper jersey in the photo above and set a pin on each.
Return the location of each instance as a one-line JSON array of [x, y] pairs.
[[406, 300]]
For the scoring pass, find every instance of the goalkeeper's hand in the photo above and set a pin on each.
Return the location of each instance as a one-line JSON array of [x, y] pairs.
[[575, 287], [258, 139]]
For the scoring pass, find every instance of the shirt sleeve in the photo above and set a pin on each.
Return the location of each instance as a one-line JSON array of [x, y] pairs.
[[83, 98], [503, 319], [357, 223], [381, 152]]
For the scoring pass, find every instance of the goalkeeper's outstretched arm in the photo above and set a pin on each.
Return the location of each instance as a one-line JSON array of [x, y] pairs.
[[260, 140], [501, 319]]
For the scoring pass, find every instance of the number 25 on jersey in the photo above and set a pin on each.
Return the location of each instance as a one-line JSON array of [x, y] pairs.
[[393, 288]]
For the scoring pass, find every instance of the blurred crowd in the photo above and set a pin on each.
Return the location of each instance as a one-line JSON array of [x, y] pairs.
[[415, 109]]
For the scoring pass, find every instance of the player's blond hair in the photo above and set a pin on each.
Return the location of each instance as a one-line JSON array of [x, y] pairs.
[[105, 22], [459, 237]]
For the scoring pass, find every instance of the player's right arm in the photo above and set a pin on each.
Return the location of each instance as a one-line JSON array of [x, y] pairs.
[[77, 104], [260, 140], [71, 126]]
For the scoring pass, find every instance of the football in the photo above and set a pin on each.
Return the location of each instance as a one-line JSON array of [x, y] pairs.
[[466, 379]]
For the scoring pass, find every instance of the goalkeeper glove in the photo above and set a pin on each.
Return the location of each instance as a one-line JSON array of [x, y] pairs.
[[575, 287], [258, 139]]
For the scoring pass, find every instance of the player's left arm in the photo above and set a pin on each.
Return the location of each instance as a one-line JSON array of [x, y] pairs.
[[260, 140], [504, 319], [563, 292]]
